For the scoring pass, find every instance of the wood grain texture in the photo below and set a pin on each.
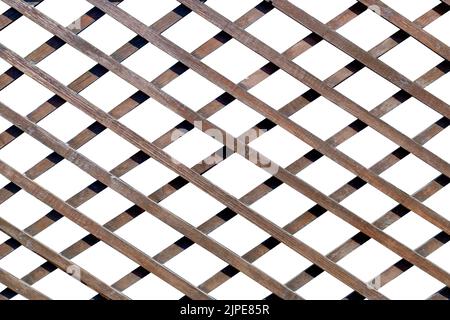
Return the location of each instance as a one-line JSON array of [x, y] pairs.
[[273, 118]]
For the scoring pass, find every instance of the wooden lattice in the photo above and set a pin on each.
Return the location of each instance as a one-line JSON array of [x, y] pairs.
[[148, 204]]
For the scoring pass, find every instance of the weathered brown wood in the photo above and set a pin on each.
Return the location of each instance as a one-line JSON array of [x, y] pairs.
[[20, 287], [368, 59], [61, 262]]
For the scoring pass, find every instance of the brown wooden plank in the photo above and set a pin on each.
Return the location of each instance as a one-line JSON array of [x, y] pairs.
[[61, 262], [20, 287]]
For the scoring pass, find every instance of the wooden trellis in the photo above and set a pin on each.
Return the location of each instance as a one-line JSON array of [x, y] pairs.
[[148, 204]]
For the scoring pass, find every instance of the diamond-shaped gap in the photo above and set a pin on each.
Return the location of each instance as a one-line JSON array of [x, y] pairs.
[[440, 256], [152, 288], [439, 201], [3, 237], [103, 29], [236, 175], [411, 117], [108, 149], [282, 263], [149, 11], [4, 124], [410, 174], [439, 28], [66, 122], [414, 284], [239, 235], [376, 30], [283, 204], [326, 175], [240, 287], [236, 118], [196, 264], [22, 209], [274, 24], [439, 145], [324, 287], [21, 261], [323, 60], [24, 152], [62, 234], [412, 230], [323, 10], [411, 9], [4, 7], [192, 205], [375, 146], [58, 285], [19, 298], [108, 91], [193, 90], [369, 260], [66, 64], [23, 36], [4, 66], [193, 147], [323, 118], [233, 9], [279, 89], [368, 202], [65, 12], [411, 58], [149, 175], [106, 205], [440, 88], [151, 119], [24, 95], [64, 179], [148, 234], [149, 61], [280, 146], [325, 232], [367, 88], [105, 263], [235, 61], [191, 32]]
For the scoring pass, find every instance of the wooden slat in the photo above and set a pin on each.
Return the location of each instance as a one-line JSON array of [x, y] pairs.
[[427, 39], [20, 287], [59, 261]]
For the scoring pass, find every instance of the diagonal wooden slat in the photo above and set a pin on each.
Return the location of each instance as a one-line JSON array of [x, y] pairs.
[[430, 41], [61, 262], [20, 287]]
